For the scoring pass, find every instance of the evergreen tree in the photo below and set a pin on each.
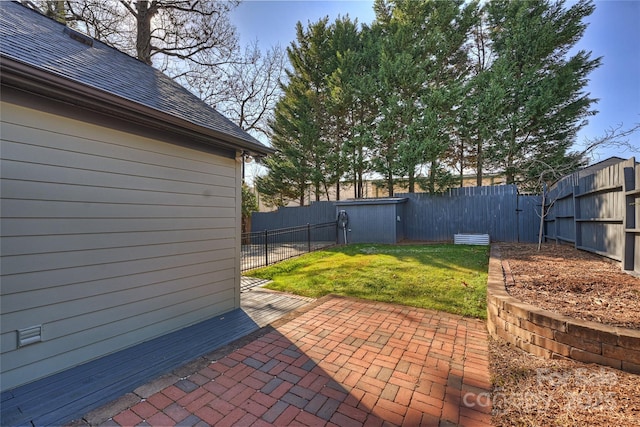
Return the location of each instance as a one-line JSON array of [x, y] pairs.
[[539, 103], [447, 68], [299, 118], [440, 86], [312, 120], [295, 136], [355, 90], [423, 65], [399, 76], [312, 60], [469, 129], [343, 107]]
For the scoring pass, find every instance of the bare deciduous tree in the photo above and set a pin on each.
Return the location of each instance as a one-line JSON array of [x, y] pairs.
[[614, 137], [194, 42], [251, 88], [157, 31]]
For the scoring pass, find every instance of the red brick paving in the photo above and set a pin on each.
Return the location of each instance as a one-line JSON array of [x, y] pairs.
[[345, 362]]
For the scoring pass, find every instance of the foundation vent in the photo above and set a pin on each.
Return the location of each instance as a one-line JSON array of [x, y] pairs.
[[29, 335]]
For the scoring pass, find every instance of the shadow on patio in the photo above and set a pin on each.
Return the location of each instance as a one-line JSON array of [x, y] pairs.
[[70, 394], [342, 362]]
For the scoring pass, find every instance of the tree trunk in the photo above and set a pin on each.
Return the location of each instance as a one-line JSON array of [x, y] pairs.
[[479, 163], [432, 178], [412, 182], [143, 38], [302, 190], [509, 170], [509, 174], [55, 10], [355, 183], [461, 162], [360, 194], [542, 215], [390, 184]]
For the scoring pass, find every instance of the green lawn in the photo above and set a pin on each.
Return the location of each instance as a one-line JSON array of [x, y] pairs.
[[451, 278]]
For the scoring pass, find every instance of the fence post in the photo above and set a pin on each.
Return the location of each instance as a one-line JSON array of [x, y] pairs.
[[309, 236], [266, 248]]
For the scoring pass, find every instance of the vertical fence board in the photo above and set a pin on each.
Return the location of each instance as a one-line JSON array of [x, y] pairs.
[[631, 257], [591, 208], [487, 210], [316, 213], [528, 218]]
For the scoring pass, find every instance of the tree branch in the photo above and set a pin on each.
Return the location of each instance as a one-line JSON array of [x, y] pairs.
[[129, 8]]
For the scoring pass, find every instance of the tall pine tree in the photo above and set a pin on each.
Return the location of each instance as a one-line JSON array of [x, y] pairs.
[[422, 67], [355, 89], [539, 101], [311, 122], [435, 86]]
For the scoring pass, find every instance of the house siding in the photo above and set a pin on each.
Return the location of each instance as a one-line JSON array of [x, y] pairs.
[[108, 239]]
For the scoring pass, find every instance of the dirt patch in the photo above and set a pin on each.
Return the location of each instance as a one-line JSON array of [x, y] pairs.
[[575, 283]]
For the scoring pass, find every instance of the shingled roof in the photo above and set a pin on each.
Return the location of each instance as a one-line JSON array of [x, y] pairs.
[[44, 56]]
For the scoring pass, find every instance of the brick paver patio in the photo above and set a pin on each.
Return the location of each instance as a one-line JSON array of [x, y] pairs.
[[345, 362]]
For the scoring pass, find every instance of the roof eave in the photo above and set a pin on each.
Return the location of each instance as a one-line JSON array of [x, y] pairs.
[[23, 76]]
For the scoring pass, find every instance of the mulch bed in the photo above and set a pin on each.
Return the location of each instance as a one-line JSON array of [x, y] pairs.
[[531, 391], [575, 283]]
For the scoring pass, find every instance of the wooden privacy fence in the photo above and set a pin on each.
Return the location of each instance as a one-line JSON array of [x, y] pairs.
[[316, 213], [598, 211], [495, 210]]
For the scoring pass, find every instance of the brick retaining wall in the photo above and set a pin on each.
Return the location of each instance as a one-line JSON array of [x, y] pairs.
[[550, 335]]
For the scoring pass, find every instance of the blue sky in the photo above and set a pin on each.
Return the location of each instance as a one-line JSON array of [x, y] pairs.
[[613, 33]]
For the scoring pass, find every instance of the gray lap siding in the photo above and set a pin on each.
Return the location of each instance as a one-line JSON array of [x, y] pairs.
[[108, 239]]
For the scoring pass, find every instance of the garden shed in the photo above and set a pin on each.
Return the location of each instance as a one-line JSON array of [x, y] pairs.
[[371, 220], [120, 200]]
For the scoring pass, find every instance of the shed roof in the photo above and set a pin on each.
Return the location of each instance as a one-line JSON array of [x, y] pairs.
[[374, 201], [40, 54]]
